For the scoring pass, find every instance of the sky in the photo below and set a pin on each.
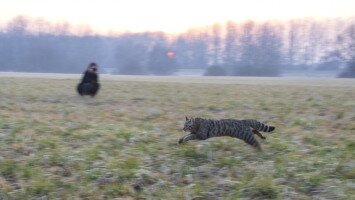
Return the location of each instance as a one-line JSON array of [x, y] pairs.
[[172, 16]]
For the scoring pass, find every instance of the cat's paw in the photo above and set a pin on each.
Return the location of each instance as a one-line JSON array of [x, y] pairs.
[[181, 140]]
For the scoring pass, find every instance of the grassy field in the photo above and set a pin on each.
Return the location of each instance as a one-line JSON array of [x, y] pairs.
[[123, 143]]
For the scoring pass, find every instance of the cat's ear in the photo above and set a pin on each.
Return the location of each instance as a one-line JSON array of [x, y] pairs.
[[186, 118]]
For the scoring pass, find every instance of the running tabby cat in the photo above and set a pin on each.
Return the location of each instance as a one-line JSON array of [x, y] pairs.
[[202, 129]]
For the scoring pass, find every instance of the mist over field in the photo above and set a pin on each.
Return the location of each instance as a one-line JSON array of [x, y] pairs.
[[300, 47]]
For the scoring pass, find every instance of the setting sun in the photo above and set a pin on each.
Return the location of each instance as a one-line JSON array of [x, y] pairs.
[[169, 16]]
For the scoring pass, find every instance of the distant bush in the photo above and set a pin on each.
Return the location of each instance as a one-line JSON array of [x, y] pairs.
[[349, 72], [266, 70], [329, 65], [132, 69], [215, 71]]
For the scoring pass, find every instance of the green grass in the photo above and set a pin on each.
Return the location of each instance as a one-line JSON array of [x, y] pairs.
[[123, 143]]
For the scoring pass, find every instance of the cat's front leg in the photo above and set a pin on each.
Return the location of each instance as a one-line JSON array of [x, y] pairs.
[[188, 137]]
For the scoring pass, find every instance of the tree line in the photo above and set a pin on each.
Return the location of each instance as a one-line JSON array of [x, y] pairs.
[[245, 49]]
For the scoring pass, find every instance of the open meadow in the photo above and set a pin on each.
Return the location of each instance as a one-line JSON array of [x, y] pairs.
[[124, 142]]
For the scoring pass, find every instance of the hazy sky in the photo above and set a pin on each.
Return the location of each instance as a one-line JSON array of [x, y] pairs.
[[169, 15]]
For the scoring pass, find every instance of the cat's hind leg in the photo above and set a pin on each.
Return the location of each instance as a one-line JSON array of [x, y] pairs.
[[258, 134]]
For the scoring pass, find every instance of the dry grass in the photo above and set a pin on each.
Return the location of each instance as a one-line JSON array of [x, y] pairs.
[[123, 143]]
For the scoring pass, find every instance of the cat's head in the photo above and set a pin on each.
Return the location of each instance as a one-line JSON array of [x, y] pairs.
[[189, 124]]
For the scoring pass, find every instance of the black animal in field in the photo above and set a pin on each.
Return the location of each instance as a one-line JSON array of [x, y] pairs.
[[89, 84]]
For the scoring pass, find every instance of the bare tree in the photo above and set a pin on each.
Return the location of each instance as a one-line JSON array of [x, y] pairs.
[[261, 50], [130, 55], [192, 49], [216, 44], [269, 54], [347, 51], [247, 49], [231, 48], [292, 43]]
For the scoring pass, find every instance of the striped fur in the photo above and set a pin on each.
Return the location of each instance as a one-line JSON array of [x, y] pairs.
[[202, 129]]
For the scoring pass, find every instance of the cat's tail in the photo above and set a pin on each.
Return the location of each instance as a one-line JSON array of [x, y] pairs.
[[259, 126]]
